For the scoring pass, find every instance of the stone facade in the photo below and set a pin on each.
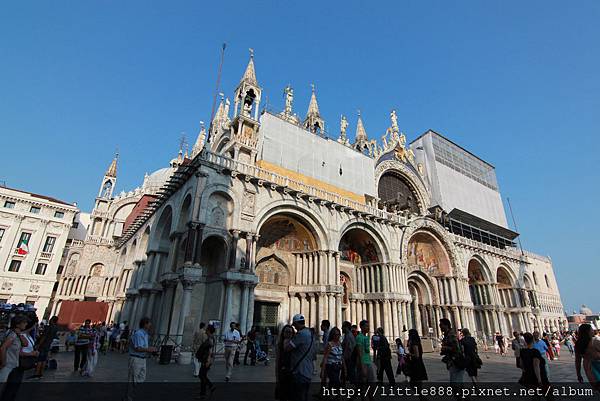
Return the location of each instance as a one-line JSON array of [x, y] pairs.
[[33, 232], [235, 237]]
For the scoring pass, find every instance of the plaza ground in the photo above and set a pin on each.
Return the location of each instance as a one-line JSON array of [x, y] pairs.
[[112, 367]]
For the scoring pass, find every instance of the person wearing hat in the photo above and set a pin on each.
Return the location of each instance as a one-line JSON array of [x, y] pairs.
[[301, 348]]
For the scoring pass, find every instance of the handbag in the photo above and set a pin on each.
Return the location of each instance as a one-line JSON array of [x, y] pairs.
[[26, 362]]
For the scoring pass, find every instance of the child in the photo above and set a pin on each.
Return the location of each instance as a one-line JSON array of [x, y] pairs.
[[401, 358]]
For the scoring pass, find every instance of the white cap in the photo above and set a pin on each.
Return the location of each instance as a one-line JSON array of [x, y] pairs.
[[298, 318]]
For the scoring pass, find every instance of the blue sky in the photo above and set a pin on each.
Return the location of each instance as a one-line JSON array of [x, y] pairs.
[[514, 82]]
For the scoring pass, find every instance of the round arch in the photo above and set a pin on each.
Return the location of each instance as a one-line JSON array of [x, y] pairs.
[[425, 252], [505, 277], [185, 213], [478, 271], [310, 220], [160, 239], [214, 255], [381, 244], [410, 178]]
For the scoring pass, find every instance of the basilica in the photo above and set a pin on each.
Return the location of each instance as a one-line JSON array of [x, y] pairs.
[[272, 215]]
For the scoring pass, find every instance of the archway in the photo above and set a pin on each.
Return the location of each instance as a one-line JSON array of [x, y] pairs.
[[397, 193], [508, 298], [358, 247], [421, 310], [427, 254], [481, 296], [213, 256]]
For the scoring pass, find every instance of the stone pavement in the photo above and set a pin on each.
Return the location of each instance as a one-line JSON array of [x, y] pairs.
[[113, 368]]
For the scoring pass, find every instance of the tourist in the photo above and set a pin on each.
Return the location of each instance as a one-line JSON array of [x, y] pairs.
[[103, 335], [139, 351], [355, 330], [500, 342], [555, 346], [302, 349], [15, 347], [198, 339], [231, 339], [401, 354], [82, 342], [587, 349], [569, 343], [542, 347], [375, 346], [251, 347], [236, 358], [550, 349], [325, 327], [333, 360], [283, 366], [532, 365], [415, 368], [473, 361], [452, 352], [92, 355], [349, 347], [205, 355], [517, 343], [70, 340], [316, 348], [124, 338], [384, 355], [43, 346], [363, 343]]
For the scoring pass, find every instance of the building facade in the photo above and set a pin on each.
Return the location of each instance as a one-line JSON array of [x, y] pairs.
[[91, 270], [270, 218], [33, 233]]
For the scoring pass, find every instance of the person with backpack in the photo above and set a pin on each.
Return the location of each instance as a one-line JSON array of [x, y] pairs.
[[14, 355], [452, 352], [473, 361], [384, 353], [49, 334], [205, 354]]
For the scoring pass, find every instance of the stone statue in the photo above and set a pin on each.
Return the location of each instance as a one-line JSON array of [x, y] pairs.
[[394, 119], [289, 98], [343, 127]]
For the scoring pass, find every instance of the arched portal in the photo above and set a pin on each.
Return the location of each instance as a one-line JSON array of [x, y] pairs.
[[508, 299], [481, 296], [286, 255], [421, 310]]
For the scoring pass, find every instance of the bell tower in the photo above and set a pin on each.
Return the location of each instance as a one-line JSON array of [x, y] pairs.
[[244, 125], [110, 179]]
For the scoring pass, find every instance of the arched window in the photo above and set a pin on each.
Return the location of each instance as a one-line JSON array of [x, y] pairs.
[[535, 279], [547, 282]]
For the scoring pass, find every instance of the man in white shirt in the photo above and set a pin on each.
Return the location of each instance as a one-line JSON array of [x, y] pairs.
[[231, 339]]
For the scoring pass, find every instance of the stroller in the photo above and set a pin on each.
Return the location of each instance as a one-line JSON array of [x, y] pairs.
[[261, 356]]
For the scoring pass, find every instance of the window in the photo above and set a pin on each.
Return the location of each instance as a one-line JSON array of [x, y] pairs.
[[3, 300], [59, 214], [49, 245], [75, 225], [9, 205], [547, 281], [23, 244], [35, 209], [1, 233], [41, 268], [15, 265], [60, 269]]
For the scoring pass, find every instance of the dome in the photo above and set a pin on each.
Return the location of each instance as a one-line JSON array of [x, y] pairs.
[[585, 310], [157, 179]]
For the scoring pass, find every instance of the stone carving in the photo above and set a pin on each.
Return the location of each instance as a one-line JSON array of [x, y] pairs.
[[272, 274], [289, 98], [249, 202], [217, 216], [94, 286], [34, 288], [7, 286]]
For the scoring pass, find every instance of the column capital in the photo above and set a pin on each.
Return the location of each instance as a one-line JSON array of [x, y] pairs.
[[235, 233]]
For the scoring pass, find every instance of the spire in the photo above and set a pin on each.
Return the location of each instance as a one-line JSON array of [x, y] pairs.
[[313, 106], [250, 74], [313, 121], [199, 145], [361, 133], [112, 169]]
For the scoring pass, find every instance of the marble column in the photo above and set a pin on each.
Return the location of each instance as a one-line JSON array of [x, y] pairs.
[[187, 286], [243, 319], [313, 310], [338, 310], [235, 237]]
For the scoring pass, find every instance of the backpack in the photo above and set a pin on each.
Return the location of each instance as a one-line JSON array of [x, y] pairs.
[[459, 360], [203, 351]]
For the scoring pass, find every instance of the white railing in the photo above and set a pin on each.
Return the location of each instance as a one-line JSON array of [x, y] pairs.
[[46, 255], [97, 239], [309, 190]]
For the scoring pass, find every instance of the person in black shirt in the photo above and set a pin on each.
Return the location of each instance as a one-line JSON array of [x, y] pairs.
[[533, 366], [473, 362]]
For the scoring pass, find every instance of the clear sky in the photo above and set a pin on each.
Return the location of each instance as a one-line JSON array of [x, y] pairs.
[[516, 83]]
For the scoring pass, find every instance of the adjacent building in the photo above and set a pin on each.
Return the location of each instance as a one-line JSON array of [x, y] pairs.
[[33, 232]]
